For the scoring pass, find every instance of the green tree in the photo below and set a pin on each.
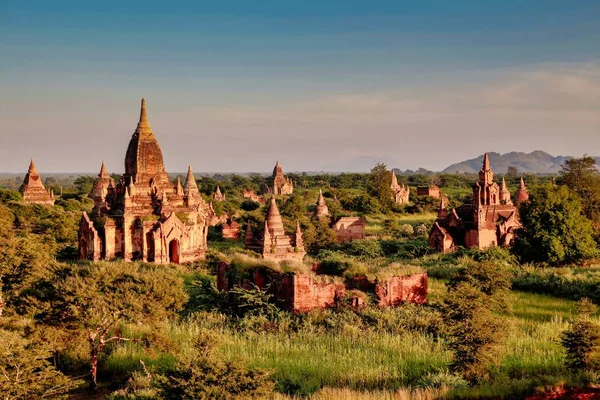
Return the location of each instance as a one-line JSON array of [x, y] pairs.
[[96, 297], [581, 340], [318, 235], [84, 184], [554, 229], [26, 373], [380, 181], [474, 332], [581, 175], [294, 208]]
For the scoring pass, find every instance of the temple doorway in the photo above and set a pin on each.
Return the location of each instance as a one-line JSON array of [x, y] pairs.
[[174, 251]]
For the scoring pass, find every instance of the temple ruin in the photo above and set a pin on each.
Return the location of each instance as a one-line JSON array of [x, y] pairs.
[[282, 185], [400, 193], [321, 211], [144, 216], [490, 220], [431, 191], [274, 243], [218, 195], [33, 189]]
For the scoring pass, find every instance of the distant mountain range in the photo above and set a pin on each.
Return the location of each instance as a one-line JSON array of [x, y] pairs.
[[538, 162]]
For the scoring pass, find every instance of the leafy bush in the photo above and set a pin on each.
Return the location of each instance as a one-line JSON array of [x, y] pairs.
[[206, 377], [297, 384], [249, 205], [582, 340], [363, 248], [442, 379]]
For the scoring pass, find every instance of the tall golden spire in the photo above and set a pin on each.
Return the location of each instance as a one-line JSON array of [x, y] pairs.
[[143, 126], [143, 116]]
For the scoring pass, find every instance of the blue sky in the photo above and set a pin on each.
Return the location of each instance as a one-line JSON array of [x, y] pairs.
[[233, 86]]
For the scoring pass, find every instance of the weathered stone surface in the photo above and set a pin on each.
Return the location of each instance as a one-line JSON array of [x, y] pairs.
[[491, 219], [350, 228], [145, 216], [33, 189]]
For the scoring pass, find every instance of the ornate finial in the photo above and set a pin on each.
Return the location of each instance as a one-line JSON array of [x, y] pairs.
[[522, 183], [503, 187], [143, 117]]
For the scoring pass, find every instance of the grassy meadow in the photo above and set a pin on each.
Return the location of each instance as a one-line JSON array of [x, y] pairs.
[[341, 357]]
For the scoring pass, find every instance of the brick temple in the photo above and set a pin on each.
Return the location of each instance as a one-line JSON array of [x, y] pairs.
[[282, 185], [490, 220], [400, 193], [144, 216], [274, 243], [33, 189]]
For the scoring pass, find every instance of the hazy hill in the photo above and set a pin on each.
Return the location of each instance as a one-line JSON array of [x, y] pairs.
[[535, 162]]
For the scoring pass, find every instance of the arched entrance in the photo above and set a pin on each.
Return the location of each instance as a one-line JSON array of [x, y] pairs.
[[174, 251]]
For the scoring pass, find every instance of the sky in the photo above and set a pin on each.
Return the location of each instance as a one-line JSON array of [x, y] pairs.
[[233, 86]]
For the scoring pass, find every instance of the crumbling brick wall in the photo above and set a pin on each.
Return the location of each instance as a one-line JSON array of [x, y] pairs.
[[402, 289], [304, 292]]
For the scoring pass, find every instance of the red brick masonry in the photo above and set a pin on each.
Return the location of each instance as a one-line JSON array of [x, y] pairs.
[[302, 291]]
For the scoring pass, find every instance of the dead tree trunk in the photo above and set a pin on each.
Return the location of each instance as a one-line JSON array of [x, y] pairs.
[[97, 340]]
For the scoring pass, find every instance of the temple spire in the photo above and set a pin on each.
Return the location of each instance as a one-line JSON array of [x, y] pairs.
[[503, 186], [321, 200], [522, 194], [143, 125], [103, 172], [178, 188], [32, 167], [143, 116], [486, 162], [190, 181], [394, 180], [274, 218]]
